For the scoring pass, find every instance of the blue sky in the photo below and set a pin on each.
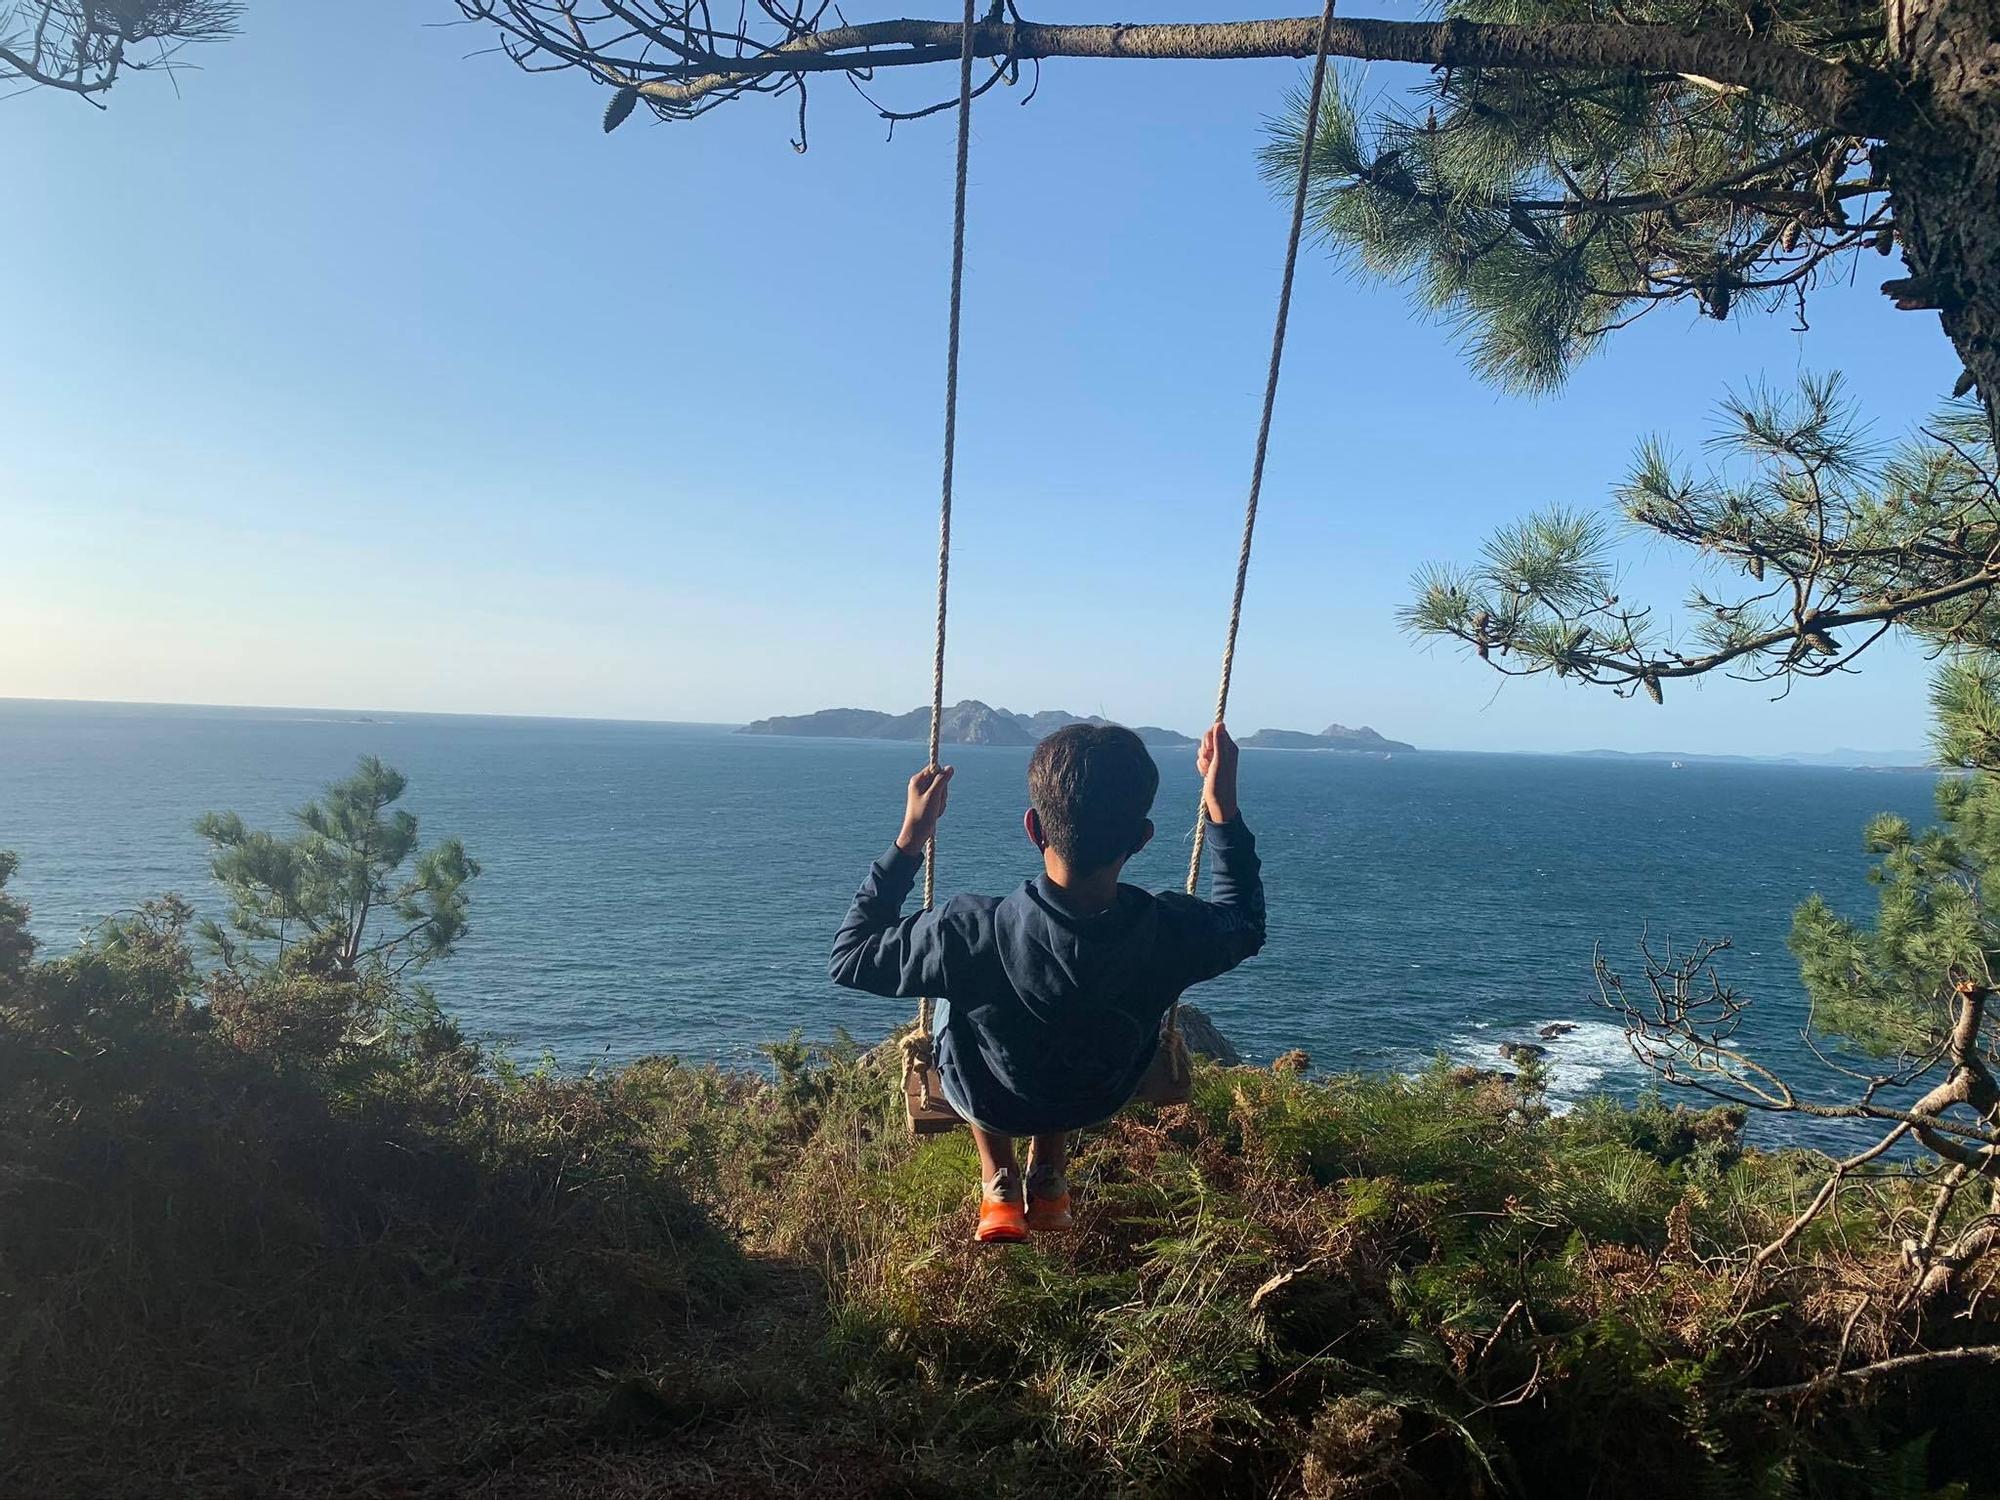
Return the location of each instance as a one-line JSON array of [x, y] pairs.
[[364, 373]]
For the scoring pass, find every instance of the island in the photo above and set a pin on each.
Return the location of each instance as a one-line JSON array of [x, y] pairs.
[[968, 722], [1333, 737]]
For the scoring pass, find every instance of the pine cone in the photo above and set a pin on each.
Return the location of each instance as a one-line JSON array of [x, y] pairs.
[[620, 108]]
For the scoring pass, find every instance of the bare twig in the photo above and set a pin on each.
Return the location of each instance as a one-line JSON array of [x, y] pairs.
[[1981, 1354]]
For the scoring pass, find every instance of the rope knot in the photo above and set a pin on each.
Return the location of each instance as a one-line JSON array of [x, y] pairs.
[[920, 1059]]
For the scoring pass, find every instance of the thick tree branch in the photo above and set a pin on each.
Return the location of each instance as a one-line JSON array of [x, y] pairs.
[[1840, 95], [12, 63]]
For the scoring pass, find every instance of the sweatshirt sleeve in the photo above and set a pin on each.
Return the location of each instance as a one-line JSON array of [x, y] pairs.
[[882, 951], [1228, 927]]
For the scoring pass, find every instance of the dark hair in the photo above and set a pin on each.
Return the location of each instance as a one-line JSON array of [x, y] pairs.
[[1092, 786]]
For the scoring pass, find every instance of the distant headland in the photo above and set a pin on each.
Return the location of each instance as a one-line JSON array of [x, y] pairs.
[[971, 722], [1333, 737]]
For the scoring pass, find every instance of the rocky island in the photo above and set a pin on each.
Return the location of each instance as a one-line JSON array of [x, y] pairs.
[[968, 722], [1333, 737]]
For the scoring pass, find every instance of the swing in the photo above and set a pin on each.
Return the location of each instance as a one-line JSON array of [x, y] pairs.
[[1169, 1079]]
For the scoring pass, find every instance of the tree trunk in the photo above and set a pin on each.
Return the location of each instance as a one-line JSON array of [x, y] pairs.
[[1943, 164]]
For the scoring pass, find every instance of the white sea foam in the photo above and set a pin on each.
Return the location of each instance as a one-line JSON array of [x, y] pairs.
[[1590, 1059]]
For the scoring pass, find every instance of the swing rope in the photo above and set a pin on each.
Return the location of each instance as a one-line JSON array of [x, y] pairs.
[[918, 1051], [1299, 193]]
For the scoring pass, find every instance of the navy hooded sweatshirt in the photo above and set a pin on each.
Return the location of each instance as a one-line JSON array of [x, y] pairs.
[[1051, 1018]]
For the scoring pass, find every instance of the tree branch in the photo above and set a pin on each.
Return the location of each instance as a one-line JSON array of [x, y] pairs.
[[1842, 1170], [1844, 96], [1643, 669], [85, 84], [1979, 1354]]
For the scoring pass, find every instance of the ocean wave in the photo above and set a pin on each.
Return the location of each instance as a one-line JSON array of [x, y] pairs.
[[1591, 1058]]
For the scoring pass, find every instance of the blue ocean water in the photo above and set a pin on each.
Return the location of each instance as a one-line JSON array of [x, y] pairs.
[[673, 888]]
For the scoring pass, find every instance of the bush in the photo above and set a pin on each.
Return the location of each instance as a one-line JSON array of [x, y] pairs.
[[306, 1196]]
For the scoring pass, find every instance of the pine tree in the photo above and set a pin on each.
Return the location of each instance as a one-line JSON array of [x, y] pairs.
[[340, 881], [16, 947], [1901, 1013], [1827, 545]]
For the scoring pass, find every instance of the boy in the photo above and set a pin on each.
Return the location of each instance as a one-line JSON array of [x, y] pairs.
[[1052, 998]]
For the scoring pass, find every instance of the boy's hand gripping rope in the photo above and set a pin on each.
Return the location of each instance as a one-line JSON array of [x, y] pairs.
[[917, 1049]]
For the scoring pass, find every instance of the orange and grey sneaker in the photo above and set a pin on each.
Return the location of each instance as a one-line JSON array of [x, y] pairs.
[[1001, 1219], [1048, 1202]]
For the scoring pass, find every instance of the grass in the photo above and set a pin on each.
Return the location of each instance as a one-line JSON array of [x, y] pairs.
[[295, 1236]]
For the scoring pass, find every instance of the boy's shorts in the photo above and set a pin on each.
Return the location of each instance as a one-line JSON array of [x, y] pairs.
[[940, 1015]]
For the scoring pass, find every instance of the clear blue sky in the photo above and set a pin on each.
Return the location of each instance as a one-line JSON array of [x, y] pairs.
[[365, 374]]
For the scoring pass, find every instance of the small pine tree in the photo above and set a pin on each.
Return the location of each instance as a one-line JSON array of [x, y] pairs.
[[1907, 1000], [16, 947], [351, 881], [1827, 546]]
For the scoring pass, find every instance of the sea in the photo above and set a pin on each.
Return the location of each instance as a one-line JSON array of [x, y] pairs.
[[673, 888]]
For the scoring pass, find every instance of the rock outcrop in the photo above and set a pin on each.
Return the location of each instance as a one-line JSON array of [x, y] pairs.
[[1205, 1039]]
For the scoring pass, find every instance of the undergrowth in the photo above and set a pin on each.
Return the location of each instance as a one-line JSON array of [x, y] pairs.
[[295, 1235]]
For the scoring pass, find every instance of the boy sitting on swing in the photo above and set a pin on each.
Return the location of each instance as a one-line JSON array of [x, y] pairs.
[[1051, 999]]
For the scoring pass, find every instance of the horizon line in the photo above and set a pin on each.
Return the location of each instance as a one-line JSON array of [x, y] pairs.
[[1892, 758]]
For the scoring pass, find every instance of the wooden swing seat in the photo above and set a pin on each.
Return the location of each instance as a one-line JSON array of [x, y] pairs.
[[1169, 1079], [923, 1099]]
